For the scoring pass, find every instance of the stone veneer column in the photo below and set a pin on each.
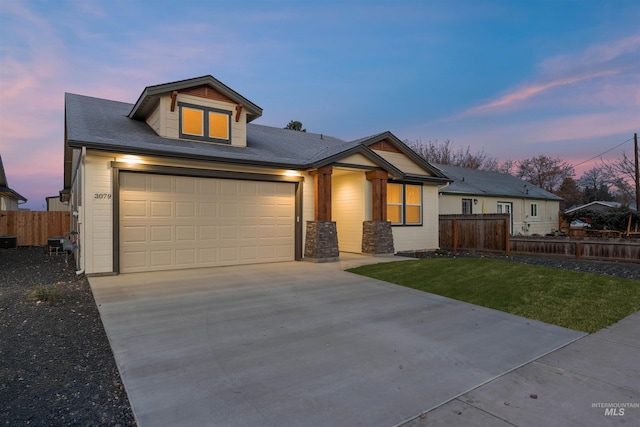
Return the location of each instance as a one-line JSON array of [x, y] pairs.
[[321, 244], [377, 238]]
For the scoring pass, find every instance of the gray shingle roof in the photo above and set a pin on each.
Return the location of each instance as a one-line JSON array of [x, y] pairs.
[[487, 183], [4, 186], [106, 125]]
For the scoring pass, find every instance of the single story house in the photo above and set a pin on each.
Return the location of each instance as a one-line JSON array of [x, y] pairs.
[[9, 199], [473, 191], [182, 178]]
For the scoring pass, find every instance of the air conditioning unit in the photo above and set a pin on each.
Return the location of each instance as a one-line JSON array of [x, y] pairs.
[[8, 242]]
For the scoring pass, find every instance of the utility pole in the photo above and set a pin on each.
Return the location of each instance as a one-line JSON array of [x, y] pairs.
[[635, 149]]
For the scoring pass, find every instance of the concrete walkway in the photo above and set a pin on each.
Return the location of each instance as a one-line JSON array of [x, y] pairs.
[[297, 343], [595, 381]]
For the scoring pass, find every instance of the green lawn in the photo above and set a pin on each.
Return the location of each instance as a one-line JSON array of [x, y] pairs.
[[580, 301]]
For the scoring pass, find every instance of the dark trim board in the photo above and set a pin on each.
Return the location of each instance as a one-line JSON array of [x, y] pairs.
[[118, 167]]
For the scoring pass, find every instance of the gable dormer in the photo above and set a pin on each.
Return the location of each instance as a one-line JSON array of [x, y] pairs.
[[201, 109]]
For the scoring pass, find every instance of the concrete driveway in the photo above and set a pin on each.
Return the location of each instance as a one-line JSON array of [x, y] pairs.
[[297, 343]]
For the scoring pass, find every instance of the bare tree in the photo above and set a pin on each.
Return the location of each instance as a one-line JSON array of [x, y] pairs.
[[596, 184], [622, 177], [444, 153], [545, 172]]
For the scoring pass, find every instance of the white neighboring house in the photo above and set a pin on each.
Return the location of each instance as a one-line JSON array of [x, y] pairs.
[[9, 199], [532, 209], [182, 179]]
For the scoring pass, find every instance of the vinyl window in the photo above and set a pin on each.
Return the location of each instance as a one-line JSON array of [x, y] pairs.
[[404, 204], [204, 123]]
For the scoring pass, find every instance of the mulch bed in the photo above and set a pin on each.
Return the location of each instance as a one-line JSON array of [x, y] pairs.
[[56, 365]]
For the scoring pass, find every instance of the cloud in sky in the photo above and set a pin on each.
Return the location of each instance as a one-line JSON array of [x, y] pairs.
[[520, 95]]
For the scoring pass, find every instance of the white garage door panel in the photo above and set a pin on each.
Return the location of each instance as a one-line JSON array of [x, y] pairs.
[[169, 222]]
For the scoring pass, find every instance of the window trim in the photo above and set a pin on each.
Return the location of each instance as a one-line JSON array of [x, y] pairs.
[[404, 204], [205, 125], [533, 206]]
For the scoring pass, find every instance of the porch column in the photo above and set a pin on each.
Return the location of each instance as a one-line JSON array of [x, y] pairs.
[[322, 177], [321, 243], [377, 234]]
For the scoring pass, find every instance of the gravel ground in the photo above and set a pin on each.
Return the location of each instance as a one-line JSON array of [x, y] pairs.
[[627, 270], [56, 365]]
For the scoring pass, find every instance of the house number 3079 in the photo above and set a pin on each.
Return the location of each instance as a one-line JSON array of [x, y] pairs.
[[100, 196]]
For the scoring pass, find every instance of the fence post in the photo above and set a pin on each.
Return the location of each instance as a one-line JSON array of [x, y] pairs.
[[578, 250], [454, 224], [507, 233]]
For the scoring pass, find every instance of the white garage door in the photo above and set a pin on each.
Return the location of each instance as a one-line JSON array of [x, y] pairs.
[[176, 222]]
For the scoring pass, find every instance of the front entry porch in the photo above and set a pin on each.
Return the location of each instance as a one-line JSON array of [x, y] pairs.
[[350, 214]]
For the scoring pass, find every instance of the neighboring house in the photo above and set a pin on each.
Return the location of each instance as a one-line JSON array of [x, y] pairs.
[[182, 179], [9, 199], [599, 206], [55, 204], [532, 209]]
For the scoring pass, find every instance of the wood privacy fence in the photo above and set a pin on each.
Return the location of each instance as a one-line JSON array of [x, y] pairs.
[[613, 249], [487, 232], [490, 233], [33, 228]]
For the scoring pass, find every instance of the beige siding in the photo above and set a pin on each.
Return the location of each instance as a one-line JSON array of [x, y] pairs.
[[402, 162], [308, 204], [98, 234], [523, 223], [54, 204], [348, 210], [154, 119], [358, 159], [170, 126], [420, 237], [7, 204]]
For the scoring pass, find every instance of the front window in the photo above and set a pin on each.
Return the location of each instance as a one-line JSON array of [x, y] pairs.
[[404, 204], [205, 123]]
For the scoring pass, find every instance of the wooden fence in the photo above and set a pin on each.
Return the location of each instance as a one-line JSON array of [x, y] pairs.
[[487, 232], [610, 249], [490, 233], [33, 228]]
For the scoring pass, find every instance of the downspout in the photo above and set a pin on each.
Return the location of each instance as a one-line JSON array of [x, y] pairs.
[[81, 214]]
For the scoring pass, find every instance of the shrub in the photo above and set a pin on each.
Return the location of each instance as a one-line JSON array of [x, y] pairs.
[[44, 293], [614, 219]]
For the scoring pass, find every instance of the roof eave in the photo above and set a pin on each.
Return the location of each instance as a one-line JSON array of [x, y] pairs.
[[166, 154], [150, 92], [406, 151]]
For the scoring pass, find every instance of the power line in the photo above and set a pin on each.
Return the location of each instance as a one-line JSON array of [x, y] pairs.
[[603, 153]]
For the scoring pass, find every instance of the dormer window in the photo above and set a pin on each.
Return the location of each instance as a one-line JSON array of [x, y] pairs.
[[205, 123]]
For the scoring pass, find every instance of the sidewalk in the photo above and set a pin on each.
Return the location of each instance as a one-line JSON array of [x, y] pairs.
[[592, 381]]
